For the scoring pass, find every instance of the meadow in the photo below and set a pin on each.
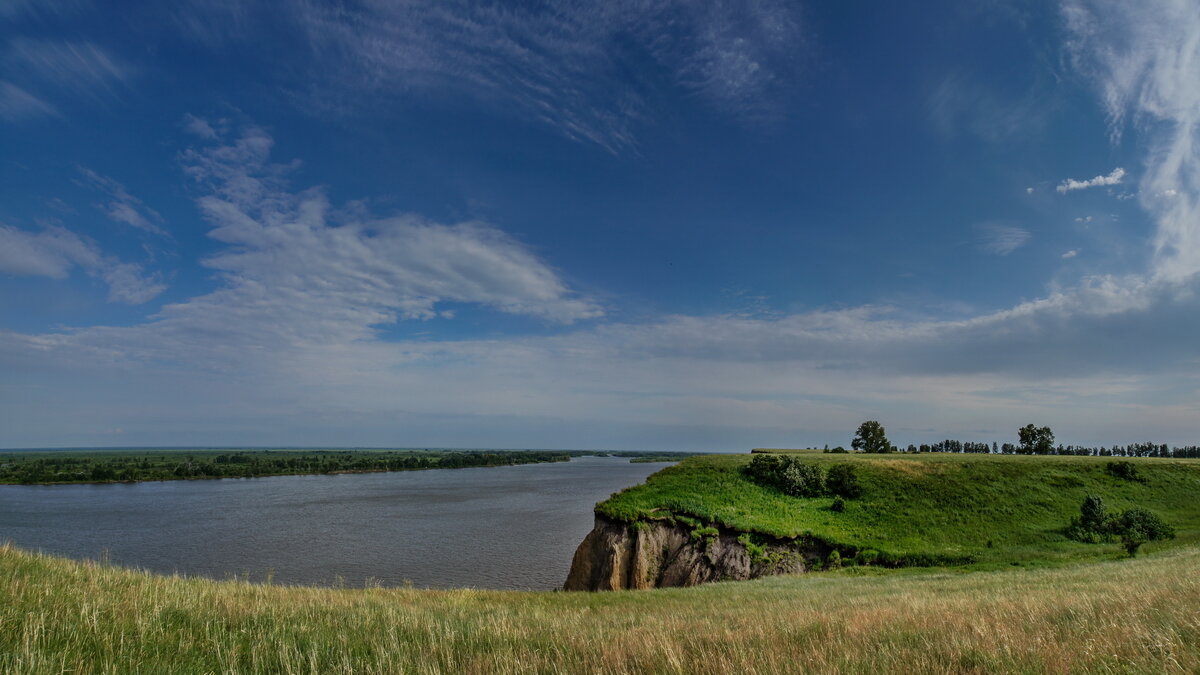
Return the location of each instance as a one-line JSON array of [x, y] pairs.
[[1122, 615]]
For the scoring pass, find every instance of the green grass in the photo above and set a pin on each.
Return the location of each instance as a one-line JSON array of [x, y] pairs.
[[1127, 616], [934, 505]]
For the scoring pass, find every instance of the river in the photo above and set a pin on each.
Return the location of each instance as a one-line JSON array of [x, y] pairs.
[[512, 527]]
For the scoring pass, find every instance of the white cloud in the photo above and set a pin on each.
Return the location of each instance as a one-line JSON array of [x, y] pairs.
[[1113, 178], [1002, 239], [55, 251], [17, 105], [49, 253], [199, 127], [271, 358], [1083, 219], [1070, 254], [123, 207], [1028, 190], [389, 268], [81, 68], [290, 275], [1145, 62]]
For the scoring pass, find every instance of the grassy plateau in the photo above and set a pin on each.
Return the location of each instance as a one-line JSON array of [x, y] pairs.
[[992, 509]]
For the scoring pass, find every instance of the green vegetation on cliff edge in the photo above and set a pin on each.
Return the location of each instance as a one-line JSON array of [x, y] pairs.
[[995, 510]]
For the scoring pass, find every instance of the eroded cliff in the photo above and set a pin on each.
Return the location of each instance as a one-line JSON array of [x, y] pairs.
[[658, 553]]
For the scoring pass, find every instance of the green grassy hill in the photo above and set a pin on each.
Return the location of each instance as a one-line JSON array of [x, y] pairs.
[[995, 510]]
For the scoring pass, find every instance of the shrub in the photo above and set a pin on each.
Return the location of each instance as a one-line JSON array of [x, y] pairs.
[[787, 474], [1093, 524], [1092, 515], [1137, 526], [1134, 526], [791, 476], [866, 557], [1124, 470], [765, 469], [838, 505], [842, 481], [834, 561], [803, 480]]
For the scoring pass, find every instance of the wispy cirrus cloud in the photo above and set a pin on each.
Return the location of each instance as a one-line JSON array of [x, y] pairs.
[[17, 105], [123, 207], [1145, 63], [1113, 178], [959, 104], [17, 8], [80, 68], [593, 72], [378, 269], [1002, 239], [55, 251]]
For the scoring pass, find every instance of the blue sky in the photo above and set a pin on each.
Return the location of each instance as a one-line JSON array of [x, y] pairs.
[[664, 225]]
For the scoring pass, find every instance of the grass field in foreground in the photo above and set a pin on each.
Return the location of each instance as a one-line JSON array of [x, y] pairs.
[[1126, 615], [995, 509]]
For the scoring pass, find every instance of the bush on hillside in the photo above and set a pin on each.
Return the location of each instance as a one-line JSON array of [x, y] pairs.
[[1124, 470], [842, 481], [1138, 526], [1133, 527], [793, 477]]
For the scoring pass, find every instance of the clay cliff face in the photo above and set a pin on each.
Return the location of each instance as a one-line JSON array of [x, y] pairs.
[[653, 554]]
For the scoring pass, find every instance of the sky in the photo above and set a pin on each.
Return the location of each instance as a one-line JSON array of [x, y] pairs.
[[635, 224]]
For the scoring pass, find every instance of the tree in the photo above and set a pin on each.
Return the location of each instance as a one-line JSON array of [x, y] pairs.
[[871, 438], [1138, 526], [1035, 440], [1093, 516]]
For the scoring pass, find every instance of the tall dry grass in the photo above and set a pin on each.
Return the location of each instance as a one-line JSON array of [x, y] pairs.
[[1119, 616]]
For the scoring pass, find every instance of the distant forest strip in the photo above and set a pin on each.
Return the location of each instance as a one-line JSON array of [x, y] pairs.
[[1131, 450], [110, 466]]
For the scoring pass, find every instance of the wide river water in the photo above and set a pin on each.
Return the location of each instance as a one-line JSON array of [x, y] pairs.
[[498, 527]]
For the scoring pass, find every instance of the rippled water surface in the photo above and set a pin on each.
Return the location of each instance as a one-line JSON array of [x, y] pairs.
[[500, 527]]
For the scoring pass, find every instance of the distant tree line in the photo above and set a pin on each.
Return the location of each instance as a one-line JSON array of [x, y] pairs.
[[1132, 450], [104, 467], [1032, 440]]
